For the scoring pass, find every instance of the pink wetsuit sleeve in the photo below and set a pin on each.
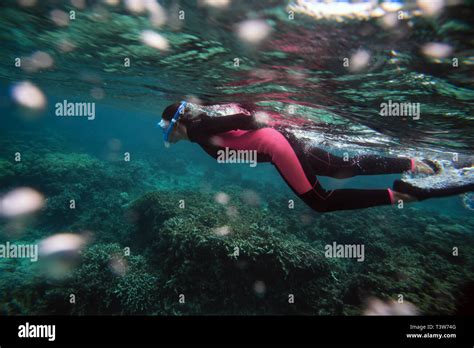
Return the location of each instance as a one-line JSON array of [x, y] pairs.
[[272, 143]]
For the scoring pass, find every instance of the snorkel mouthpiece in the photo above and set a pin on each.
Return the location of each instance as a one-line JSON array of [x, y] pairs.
[[162, 124], [167, 127]]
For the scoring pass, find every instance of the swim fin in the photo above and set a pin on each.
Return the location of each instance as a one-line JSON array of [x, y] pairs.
[[425, 193]]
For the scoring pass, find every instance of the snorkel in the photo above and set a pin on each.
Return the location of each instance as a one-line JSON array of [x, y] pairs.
[[167, 127]]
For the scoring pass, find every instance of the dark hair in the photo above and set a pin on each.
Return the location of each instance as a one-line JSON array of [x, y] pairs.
[[169, 111]]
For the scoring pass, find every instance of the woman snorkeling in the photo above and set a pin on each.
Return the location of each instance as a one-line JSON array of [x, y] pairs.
[[229, 126]]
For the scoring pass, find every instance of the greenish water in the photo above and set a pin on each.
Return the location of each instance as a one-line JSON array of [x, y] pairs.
[[423, 252]]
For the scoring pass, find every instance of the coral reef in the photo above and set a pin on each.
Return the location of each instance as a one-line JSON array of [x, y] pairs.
[[217, 273], [249, 254], [414, 259], [98, 284]]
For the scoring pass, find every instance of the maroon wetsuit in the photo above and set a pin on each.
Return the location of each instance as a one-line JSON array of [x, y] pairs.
[[297, 164]]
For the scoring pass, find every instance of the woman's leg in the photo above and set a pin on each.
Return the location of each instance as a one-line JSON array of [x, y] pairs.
[[324, 163], [322, 200], [296, 171]]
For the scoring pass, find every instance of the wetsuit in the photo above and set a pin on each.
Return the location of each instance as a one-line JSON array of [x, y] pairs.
[[296, 163]]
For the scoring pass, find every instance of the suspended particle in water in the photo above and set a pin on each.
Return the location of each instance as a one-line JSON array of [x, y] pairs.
[[20, 201], [468, 200], [262, 117], [264, 74], [28, 65], [222, 198], [215, 3], [155, 40], [97, 93], [157, 19], [430, 7], [59, 253], [359, 61], [251, 197], [156, 12], [391, 6], [259, 288], [436, 50], [114, 144], [41, 60], [66, 45], [118, 265], [60, 18], [232, 212], [175, 19], [388, 21], [80, 4], [38, 60], [306, 219], [135, 6], [90, 77], [222, 231], [376, 306], [253, 31], [113, 156], [62, 243], [216, 140], [377, 13], [28, 95], [112, 2], [100, 14]]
